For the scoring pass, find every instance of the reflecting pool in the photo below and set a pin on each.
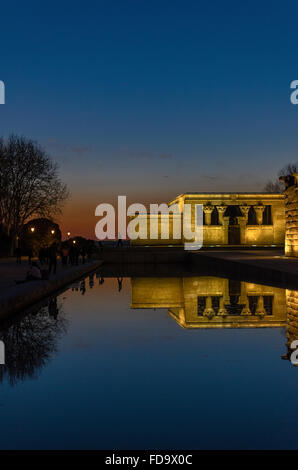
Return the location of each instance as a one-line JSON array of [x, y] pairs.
[[194, 362]]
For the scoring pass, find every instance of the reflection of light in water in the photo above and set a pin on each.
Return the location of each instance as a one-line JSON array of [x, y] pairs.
[[292, 321], [212, 302], [193, 302]]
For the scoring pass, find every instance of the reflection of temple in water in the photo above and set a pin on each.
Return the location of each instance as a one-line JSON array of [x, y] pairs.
[[292, 320], [212, 302]]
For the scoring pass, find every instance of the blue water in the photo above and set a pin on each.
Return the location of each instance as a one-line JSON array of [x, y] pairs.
[[104, 376]]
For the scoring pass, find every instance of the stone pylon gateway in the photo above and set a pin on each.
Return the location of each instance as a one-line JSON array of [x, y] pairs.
[[291, 214]]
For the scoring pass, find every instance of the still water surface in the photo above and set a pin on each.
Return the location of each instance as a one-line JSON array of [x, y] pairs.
[[148, 363]]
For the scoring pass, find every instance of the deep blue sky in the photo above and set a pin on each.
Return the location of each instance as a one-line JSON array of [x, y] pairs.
[[155, 98]]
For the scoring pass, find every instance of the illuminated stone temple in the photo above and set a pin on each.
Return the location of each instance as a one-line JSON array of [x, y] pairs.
[[291, 213], [212, 302], [245, 219]]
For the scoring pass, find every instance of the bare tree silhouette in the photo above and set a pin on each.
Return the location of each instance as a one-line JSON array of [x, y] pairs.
[[29, 184], [276, 186], [30, 342]]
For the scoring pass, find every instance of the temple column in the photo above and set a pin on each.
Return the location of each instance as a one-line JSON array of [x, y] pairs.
[[209, 311], [208, 209], [221, 210], [260, 310], [226, 221], [182, 316], [246, 310], [242, 224], [243, 299], [259, 212], [245, 211], [222, 311]]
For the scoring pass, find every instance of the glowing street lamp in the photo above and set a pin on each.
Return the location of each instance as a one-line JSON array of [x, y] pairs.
[[74, 242], [32, 229], [52, 232]]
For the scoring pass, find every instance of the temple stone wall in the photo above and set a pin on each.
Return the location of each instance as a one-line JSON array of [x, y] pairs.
[[156, 293], [278, 220], [226, 229], [291, 212], [214, 234], [292, 316], [292, 323]]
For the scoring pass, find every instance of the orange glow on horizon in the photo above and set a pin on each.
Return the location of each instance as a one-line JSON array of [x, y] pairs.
[[78, 216]]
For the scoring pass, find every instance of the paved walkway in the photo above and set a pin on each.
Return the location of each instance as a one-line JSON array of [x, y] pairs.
[[262, 267], [15, 297], [11, 271], [273, 259]]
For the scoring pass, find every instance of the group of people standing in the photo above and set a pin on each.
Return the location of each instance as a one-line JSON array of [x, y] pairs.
[[69, 252], [49, 256], [70, 255]]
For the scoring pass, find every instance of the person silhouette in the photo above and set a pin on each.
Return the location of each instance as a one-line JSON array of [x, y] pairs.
[[53, 308], [83, 255], [83, 287], [119, 242], [18, 255], [53, 258], [91, 280], [30, 255], [119, 280]]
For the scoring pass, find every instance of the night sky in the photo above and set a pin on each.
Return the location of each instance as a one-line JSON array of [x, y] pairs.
[[152, 98]]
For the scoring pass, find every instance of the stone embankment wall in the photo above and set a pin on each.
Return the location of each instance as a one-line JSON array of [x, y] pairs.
[[21, 296]]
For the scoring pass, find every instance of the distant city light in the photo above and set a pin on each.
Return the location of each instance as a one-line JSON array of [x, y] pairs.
[[32, 229], [52, 232]]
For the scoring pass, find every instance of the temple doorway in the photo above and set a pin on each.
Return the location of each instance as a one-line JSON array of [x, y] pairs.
[[234, 234], [233, 212]]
